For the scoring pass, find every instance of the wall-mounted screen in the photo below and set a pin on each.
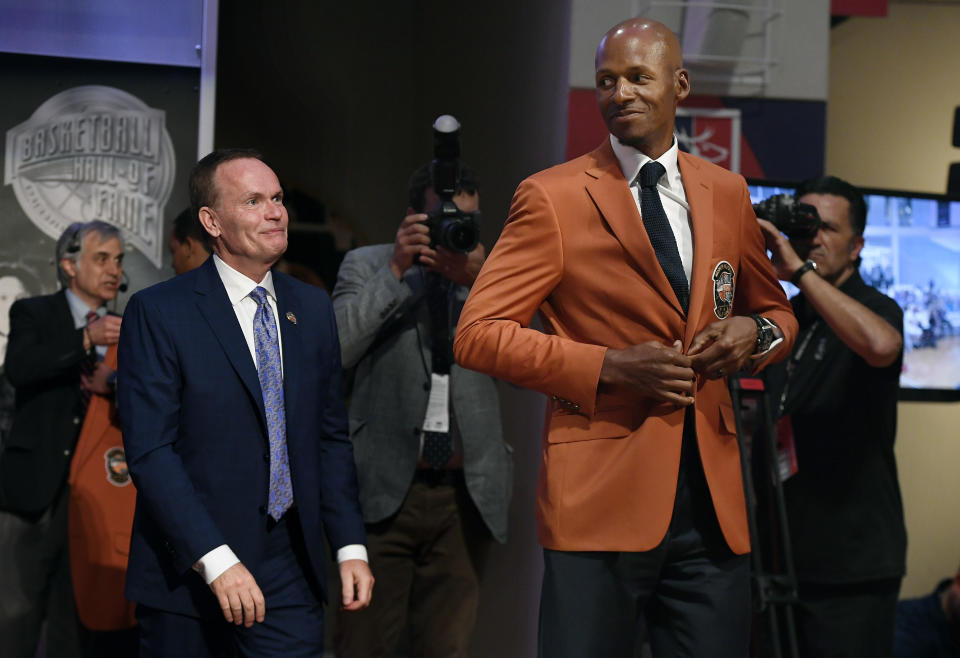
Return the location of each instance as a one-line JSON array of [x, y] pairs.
[[912, 254]]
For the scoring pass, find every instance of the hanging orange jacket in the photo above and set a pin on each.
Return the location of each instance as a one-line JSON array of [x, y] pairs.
[[102, 499]]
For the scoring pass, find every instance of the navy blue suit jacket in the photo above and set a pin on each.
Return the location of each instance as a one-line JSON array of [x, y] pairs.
[[196, 438]]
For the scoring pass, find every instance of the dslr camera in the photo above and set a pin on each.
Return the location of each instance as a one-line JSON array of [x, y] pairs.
[[450, 227], [797, 220]]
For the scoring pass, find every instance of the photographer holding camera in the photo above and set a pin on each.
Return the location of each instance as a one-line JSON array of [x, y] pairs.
[[838, 409], [435, 474]]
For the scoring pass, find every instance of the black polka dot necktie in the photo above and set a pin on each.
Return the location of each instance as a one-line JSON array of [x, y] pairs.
[[437, 446], [658, 230]]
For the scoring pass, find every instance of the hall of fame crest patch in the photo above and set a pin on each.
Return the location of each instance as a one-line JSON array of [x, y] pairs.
[[723, 289], [115, 461], [94, 152]]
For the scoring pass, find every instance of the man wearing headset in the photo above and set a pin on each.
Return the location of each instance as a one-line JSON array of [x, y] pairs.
[[54, 360]]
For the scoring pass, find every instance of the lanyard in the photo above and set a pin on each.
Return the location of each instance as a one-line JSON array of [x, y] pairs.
[[794, 360]]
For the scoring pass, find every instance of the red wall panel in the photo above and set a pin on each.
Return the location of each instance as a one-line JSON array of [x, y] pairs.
[[858, 7]]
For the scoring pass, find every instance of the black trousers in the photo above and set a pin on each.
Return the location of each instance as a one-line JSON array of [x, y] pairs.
[[849, 620], [692, 591], [35, 584]]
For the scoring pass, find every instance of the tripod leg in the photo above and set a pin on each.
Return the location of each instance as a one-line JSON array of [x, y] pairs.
[[788, 598], [759, 577]]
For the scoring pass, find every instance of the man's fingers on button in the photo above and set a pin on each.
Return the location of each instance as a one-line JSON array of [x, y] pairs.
[[677, 399], [680, 368], [697, 345], [672, 355], [681, 386]]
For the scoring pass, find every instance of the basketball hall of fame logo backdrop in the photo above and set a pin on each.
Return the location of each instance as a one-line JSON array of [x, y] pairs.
[[94, 152]]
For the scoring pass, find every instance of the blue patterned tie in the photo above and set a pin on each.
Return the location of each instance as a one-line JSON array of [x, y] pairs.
[[271, 384], [659, 231]]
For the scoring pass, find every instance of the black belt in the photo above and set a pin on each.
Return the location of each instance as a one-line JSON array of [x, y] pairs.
[[433, 477]]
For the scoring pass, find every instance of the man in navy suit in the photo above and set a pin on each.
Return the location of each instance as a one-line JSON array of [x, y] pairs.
[[236, 438]]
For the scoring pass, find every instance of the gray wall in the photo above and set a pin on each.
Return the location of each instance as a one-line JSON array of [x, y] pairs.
[[799, 46], [341, 98]]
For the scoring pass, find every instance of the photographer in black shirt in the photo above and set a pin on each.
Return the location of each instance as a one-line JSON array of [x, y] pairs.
[[837, 398]]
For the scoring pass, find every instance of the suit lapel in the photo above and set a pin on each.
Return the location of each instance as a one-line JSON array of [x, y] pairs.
[[62, 307], [216, 309], [699, 192], [611, 194], [416, 279], [287, 312]]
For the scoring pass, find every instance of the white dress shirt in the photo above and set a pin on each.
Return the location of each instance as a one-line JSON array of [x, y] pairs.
[[670, 187], [239, 287]]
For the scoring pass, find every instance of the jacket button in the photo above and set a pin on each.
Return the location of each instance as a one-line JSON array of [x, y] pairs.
[[416, 430], [426, 386], [266, 458], [76, 420], [66, 453], [263, 509]]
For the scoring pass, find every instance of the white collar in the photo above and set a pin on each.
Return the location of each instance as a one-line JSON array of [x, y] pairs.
[[239, 285], [631, 160], [79, 308]]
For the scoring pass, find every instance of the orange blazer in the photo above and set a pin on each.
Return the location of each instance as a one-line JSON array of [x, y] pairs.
[[574, 249], [102, 499]]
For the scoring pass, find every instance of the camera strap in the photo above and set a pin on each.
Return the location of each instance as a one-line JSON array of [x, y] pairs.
[[787, 464], [795, 360]]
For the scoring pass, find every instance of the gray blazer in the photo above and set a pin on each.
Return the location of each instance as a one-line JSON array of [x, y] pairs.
[[384, 330]]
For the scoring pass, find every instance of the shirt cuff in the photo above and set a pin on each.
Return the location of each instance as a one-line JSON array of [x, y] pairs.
[[214, 563], [352, 552]]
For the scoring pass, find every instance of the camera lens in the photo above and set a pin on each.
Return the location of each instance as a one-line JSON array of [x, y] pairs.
[[460, 235]]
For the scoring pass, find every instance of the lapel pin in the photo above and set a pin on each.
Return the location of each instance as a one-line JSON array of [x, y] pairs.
[[291, 317]]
